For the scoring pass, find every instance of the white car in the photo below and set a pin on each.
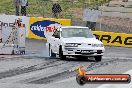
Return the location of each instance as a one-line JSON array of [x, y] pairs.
[[75, 41]]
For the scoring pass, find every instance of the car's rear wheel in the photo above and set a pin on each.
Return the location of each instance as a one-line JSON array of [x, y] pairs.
[[98, 58], [49, 50], [51, 54], [62, 57], [13, 52]]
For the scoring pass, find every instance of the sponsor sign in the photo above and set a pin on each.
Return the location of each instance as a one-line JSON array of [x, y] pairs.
[[83, 77], [114, 39], [12, 35], [8, 21], [40, 28]]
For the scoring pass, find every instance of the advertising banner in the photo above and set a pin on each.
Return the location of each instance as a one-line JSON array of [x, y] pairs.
[[114, 39], [39, 27], [13, 36], [8, 21]]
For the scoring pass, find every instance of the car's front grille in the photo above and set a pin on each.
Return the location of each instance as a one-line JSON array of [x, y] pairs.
[[99, 51], [70, 50], [84, 53]]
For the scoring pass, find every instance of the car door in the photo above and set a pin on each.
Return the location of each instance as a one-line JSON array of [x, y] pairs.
[[55, 39]]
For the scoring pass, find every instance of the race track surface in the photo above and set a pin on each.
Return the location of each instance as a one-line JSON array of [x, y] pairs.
[[37, 70]]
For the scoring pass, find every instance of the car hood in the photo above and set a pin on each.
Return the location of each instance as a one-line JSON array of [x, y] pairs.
[[81, 40]]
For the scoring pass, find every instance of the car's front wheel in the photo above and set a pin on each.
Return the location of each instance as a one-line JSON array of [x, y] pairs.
[[62, 57], [82, 57], [98, 58]]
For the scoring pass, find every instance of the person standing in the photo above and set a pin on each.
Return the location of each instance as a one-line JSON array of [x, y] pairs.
[[24, 4], [124, 0], [56, 9], [16, 4]]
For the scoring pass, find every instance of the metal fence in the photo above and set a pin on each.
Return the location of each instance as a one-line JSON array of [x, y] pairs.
[[115, 28], [71, 9]]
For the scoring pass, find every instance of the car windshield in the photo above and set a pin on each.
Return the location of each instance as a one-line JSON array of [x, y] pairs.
[[76, 32]]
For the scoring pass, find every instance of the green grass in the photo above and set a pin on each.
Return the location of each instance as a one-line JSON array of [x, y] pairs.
[[6, 7], [43, 7]]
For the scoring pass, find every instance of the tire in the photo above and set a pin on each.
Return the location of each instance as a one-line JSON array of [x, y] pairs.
[[98, 58], [22, 52], [13, 52], [49, 50], [82, 57], [62, 57], [51, 54], [18, 52]]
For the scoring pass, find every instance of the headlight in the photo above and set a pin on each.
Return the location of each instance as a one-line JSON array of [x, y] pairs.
[[97, 45], [71, 45]]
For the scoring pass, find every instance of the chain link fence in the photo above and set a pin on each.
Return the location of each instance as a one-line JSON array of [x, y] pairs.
[[73, 9], [70, 9], [115, 24]]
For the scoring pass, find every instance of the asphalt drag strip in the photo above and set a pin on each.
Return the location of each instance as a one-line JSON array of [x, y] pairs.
[[71, 72], [37, 70]]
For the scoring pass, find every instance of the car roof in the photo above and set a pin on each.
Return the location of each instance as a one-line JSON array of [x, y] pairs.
[[73, 27]]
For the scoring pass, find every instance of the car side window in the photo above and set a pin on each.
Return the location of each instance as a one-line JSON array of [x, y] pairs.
[[56, 34]]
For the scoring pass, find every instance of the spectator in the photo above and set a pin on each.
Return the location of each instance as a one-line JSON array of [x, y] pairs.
[[56, 9], [24, 4], [124, 0], [16, 4]]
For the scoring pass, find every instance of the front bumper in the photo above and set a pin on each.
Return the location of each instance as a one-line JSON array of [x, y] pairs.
[[84, 51]]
